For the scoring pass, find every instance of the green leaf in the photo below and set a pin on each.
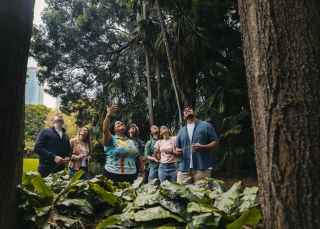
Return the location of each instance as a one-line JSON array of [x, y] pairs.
[[107, 197], [42, 211], [65, 222], [108, 222], [27, 178], [138, 182], [174, 190], [81, 205], [77, 176], [40, 186], [229, 200], [206, 220], [144, 200], [248, 217], [248, 198], [199, 208], [155, 213]]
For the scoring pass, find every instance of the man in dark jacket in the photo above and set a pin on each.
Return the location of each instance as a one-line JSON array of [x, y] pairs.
[[53, 147]]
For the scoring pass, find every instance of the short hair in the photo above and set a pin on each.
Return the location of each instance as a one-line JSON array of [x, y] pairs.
[[153, 126], [112, 125], [135, 126], [57, 115]]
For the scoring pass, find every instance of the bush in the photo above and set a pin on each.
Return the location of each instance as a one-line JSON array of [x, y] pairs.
[[57, 202]]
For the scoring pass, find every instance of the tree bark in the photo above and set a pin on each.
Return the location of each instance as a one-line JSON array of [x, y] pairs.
[[148, 72], [158, 75], [281, 43], [172, 73], [15, 28]]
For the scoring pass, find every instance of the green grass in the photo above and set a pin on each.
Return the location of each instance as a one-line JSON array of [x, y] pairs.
[[30, 164]]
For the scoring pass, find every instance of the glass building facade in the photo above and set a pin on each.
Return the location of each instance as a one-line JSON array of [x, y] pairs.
[[34, 91]]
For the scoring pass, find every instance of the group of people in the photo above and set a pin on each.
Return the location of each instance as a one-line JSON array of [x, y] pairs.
[[186, 158]]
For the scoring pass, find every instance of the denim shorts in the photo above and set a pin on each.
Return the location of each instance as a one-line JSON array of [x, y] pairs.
[[168, 171]]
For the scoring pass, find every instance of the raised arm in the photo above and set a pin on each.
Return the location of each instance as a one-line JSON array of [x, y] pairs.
[[106, 123]]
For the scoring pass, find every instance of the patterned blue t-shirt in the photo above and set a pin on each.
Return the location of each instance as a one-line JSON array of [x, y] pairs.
[[121, 155]]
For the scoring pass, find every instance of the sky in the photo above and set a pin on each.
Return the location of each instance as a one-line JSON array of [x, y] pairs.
[[39, 6]]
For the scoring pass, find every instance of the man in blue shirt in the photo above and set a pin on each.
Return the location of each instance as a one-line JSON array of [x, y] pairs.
[[195, 142]]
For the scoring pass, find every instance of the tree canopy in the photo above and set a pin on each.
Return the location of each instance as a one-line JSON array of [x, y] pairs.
[[92, 52]]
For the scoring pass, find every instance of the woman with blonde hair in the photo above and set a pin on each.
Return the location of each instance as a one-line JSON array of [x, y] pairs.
[[167, 155], [81, 153]]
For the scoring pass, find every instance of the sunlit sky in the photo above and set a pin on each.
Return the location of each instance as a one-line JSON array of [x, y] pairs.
[[39, 5]]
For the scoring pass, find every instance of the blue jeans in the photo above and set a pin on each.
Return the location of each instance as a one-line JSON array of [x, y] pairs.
[[85, 176], [168, 171], [153, 174]]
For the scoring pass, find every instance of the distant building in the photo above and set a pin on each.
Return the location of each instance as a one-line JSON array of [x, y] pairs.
[[34, 91]]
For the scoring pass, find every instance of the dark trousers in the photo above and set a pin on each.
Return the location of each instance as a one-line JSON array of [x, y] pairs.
[[120, 177]]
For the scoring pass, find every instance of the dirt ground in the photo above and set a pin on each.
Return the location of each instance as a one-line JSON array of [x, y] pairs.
[[246, 179]]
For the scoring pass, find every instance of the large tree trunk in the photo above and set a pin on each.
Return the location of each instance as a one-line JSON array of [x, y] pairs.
[[281, 42], [15, 28], [158, 76], [172, 73], [148, 72]]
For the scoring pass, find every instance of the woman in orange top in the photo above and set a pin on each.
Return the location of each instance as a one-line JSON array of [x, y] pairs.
[[81, 153]]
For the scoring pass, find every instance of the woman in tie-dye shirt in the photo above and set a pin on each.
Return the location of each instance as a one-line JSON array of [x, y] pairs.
[[122, 152]]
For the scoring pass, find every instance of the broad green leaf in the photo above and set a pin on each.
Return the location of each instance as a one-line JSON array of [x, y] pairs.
[[199, 208], [77, 176], [248, 198], [229, 200], [155, 213], [103, 182], [81, 205], [166, 227], [174, 190], [145, 201], [40, 186], [248, 217], [108, 222], [27, 178], [65, 222], [206, 220], [42, 211], [211, 184], [107, 197], [138, 182]]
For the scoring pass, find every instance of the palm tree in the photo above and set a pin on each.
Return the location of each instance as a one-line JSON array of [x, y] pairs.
[[171, 69], [148, 69]]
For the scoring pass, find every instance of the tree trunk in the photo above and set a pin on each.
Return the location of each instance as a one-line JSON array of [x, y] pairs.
[[148, 72], [15, 28], [281, 43], [158, 75], [172, 73]]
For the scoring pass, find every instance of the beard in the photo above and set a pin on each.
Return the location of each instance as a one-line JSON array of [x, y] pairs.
[[190, 116]]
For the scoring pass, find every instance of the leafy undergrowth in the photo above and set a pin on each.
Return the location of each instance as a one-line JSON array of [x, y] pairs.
[[57, 202]]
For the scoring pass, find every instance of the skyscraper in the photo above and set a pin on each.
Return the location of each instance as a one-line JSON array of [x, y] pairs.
[[34, 91]]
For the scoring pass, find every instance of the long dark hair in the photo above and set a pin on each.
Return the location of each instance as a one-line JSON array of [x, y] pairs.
[[87, 139]]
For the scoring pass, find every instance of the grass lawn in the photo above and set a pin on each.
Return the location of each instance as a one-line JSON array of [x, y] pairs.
[[30, 164]]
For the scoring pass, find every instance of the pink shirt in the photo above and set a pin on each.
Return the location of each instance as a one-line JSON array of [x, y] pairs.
[[166, 148]]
